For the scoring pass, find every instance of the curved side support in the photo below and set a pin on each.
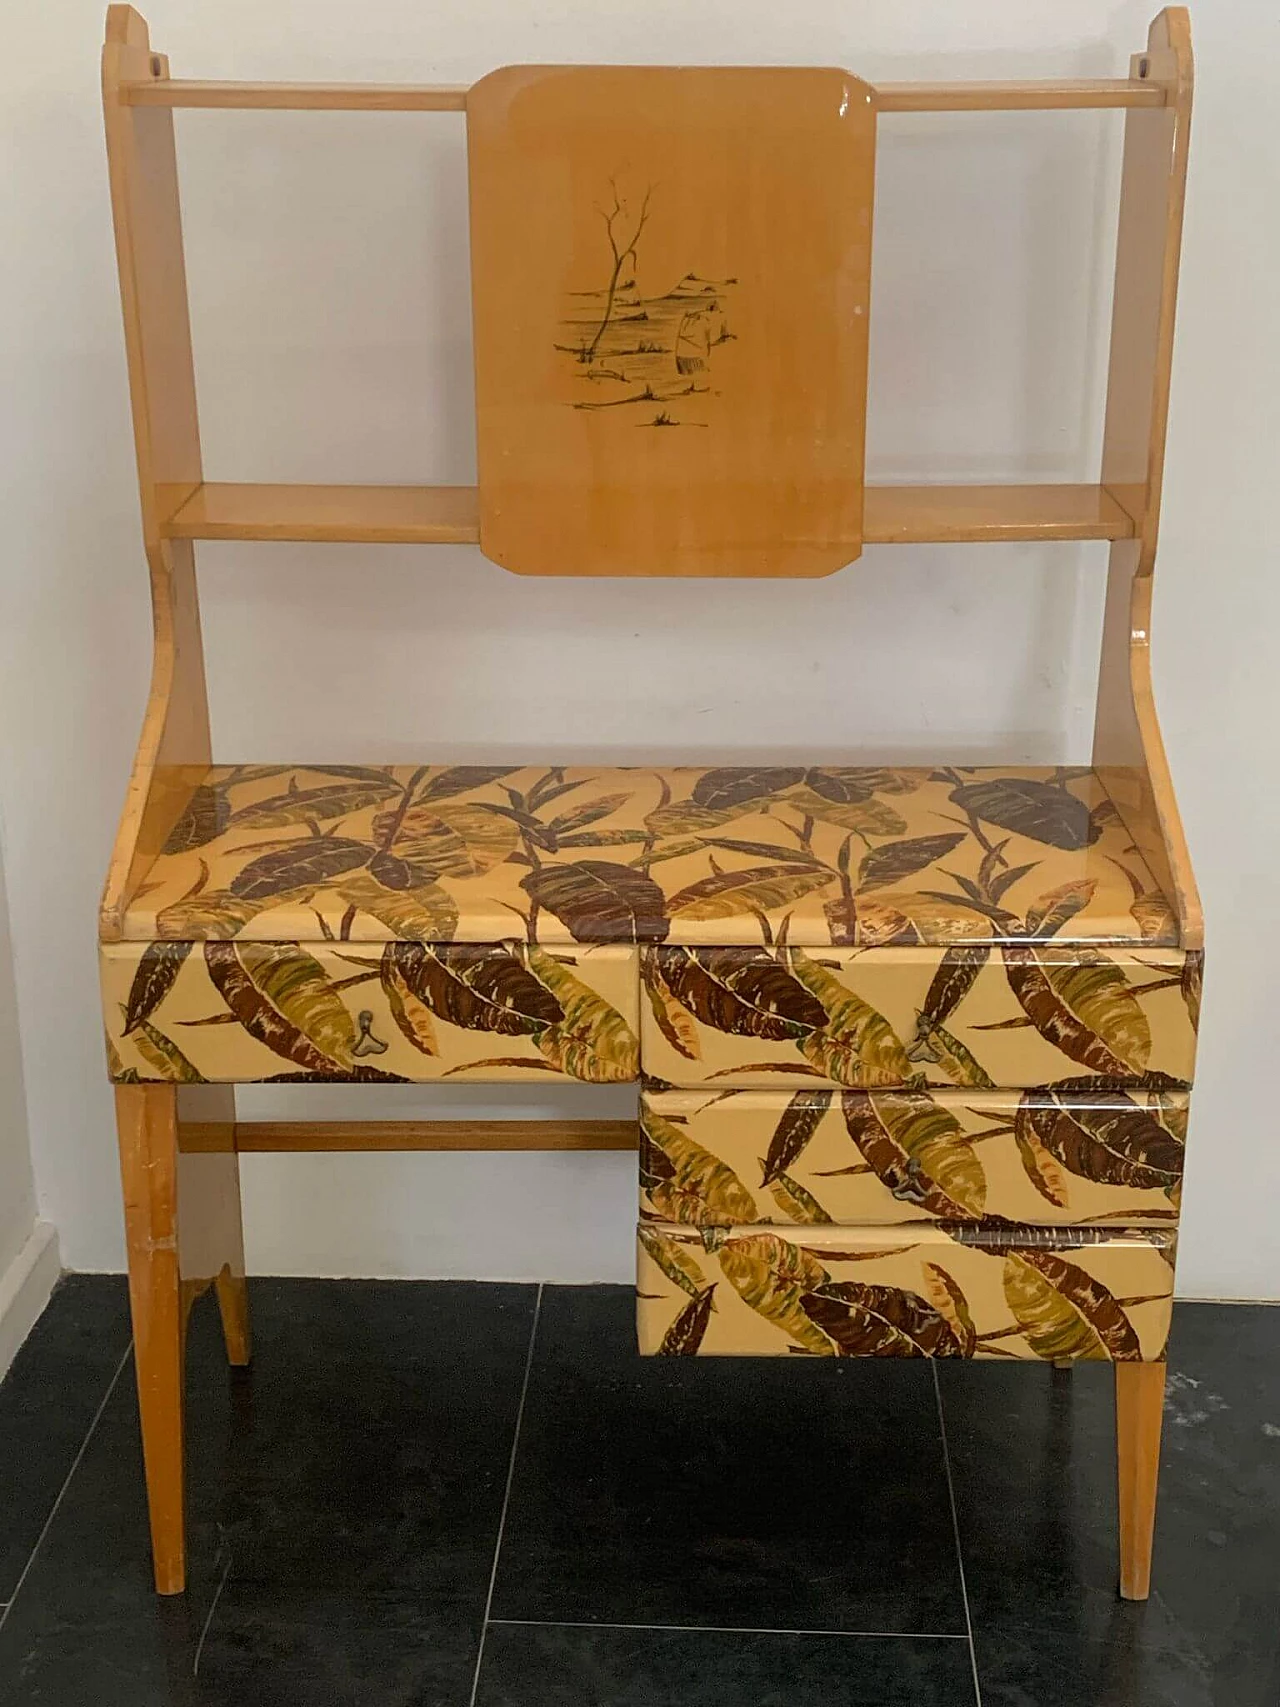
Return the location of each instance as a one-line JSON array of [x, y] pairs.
[[174, 748], [1128, 749]]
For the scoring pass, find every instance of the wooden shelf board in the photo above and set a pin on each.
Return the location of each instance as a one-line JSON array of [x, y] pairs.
[[449, 515], [379, 515], [922, 515], [438, 98]]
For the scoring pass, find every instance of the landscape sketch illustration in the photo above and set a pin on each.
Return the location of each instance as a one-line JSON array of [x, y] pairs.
[[649, 360]]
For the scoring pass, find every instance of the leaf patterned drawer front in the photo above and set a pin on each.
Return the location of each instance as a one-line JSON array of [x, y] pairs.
[[928, 1291], [975, 1016], [234, 1012], [1057, 1154]]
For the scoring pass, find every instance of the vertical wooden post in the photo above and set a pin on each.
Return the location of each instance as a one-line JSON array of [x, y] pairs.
[[183, 1231], [147, 1122], [174, 749], [1128, 750], [1139, 1413]]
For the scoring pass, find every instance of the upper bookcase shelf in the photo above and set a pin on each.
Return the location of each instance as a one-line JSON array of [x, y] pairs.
[[450, 515], [1040, 96]]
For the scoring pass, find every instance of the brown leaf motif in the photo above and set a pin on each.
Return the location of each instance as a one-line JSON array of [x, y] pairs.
[[743, 992], [685, 1335], [478, 986], [304, 864], [866, 1320], [158, 966], [893, 861], [599, 901], [1045, 811], [1102, 1135]]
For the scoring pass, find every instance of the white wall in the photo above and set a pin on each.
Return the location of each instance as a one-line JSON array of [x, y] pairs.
[[327, 255], [28, 1247], [17, 1184]]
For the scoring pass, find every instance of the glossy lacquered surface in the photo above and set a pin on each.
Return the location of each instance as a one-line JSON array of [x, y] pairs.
[[347, 1496], [670, 289]]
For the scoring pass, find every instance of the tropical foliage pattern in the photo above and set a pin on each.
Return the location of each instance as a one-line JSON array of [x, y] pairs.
[[1065, 1153], [930, 1291], [974, 1016], [239, 1011], [813, 855]]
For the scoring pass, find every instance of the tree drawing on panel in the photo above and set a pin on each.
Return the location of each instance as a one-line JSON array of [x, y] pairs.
[[650, 357]]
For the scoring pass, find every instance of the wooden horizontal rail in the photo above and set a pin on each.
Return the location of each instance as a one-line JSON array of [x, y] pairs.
[[268, 1136], [434, 98], [298, 97], [1016, 97], [449, 515]]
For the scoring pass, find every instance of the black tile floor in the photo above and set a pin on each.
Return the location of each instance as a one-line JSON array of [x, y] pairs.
[[461, 1495]]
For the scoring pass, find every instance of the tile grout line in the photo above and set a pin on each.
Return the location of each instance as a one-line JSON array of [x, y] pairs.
[[955, 1528], [506, 1497], [213, 1607], [75, 1465], [731, 1629]]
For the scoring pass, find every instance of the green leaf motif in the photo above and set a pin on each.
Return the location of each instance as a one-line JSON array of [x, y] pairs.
[[592, 1041], [674, 1261], [1084, 1006], [857, 1045], [164, 1055], [762, 888], [701, 1189], [313, 805], [797, 1202], [425, 914], [281, 996], [919, 1150], [772, 1275], [1063, 1311], [448, 838], [865, 817]]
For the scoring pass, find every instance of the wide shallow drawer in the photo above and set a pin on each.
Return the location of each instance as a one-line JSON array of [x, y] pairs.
[[973, 1015], [240, 1011], [929, 1291], [1069, 1152]]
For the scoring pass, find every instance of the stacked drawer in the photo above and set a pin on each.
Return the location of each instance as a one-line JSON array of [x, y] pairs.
[[963, 1152]]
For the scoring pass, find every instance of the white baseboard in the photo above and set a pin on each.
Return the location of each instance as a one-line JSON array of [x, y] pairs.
[[25, 1287]]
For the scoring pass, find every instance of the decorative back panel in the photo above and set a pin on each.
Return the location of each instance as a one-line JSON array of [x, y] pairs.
[[670, 278]]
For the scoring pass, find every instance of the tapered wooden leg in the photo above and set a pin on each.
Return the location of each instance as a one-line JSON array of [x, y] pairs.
[[233, 1303], [1139, 1412], [147, 1124], [212, 1241], [182, 1225]]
